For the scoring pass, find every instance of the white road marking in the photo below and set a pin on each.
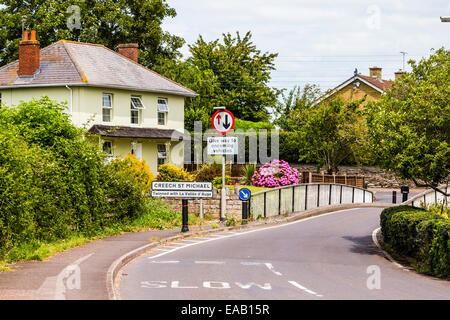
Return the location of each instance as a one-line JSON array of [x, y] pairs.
[[267, 264], [209, 262], [166, 262], [271, 268], [295, 284], [375, 240], [265, 286]]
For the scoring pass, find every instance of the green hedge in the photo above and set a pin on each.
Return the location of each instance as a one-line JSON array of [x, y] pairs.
[[54, 182], [418, 234]]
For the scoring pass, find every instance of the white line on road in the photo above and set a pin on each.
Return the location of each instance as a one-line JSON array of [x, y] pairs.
[[375, 240], [295, 284], [166, 262]]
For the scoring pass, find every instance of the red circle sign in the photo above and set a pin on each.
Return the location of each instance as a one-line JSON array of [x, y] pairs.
[[223, 121]]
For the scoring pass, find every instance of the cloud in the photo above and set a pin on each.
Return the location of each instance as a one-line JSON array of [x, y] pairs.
[[348, 32]]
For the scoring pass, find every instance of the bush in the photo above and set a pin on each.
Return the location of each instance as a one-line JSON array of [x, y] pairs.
[[248, 172], [139, 169], [277, 173], [168, 172], [55, 183], [420, 235], [207, 172], [217, 182]]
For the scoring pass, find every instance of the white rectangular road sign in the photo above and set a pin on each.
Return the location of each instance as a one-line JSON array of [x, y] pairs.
[[182, 189], [222, 146], [182, 194], [181, 186]]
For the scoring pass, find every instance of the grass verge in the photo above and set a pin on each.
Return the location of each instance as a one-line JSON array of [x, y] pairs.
[[157, 216]]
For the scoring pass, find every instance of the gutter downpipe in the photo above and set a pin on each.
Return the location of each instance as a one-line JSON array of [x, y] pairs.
[[71, 100]]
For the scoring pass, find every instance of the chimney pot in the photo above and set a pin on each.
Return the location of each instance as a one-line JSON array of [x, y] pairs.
[[129, 50], [33, 35], [25, 35]]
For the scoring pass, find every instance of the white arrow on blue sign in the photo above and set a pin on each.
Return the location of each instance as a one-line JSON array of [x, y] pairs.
[[244, 194]]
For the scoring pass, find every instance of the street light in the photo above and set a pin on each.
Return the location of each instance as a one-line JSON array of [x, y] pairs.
[[445, 19]]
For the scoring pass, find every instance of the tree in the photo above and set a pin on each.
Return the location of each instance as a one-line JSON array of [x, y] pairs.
[[330, 133], [296, 100], [105, 22], [409, 127], [231, 73]]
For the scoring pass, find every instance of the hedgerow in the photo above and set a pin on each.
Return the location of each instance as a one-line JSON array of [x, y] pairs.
[[55, 183], [420, 235]]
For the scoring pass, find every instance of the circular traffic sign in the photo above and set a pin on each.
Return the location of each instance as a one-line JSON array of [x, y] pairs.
[[223, 121], [245, 194]]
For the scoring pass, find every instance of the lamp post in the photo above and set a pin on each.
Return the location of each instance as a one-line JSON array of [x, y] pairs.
[[445, 19]]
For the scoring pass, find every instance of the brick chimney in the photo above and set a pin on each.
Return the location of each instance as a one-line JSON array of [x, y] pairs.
[[375, 72], [129, 50], [399, 74], [29, 54]]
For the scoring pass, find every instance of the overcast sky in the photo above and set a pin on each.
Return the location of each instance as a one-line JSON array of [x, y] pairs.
[[321, 41]]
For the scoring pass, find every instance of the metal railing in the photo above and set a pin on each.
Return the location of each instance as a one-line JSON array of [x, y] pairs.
[[428, 197], [303, 197]]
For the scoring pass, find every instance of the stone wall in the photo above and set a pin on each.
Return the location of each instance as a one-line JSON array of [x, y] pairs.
[[375, 177], [211, 207]]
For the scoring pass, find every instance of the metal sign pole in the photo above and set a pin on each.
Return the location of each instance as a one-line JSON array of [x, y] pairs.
[[224, 192], [185, 227]]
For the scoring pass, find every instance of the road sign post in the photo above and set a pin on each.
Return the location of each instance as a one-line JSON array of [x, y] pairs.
[[245, 195], [183, 190], [223, 122]]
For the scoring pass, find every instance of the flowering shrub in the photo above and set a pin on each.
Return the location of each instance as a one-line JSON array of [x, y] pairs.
[[139, 169], [168, 172], [277, 173]]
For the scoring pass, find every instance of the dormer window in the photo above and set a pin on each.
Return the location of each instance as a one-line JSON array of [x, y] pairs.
[[163, 109], [136, 107]]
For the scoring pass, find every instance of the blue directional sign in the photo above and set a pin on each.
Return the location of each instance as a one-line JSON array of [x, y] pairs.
[[244, 194]]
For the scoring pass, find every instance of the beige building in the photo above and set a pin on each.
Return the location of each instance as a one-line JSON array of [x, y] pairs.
[[360, 86], [129, 107]]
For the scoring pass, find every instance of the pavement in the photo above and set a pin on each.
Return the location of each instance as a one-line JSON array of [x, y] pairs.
[[84, 273]]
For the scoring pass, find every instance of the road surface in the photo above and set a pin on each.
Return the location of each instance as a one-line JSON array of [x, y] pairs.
[[331, 256]]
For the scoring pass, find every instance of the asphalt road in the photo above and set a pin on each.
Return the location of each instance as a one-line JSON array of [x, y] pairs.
[[331, 256]]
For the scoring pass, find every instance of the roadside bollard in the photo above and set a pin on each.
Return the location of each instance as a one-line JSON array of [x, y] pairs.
[[244, 212], [405, 191], [185, 213], [394, 196]]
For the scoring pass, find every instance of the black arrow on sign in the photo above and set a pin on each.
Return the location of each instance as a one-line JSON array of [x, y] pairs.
[[226, 124]]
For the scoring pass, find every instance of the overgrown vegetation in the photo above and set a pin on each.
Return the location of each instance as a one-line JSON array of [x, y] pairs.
[[419, 236], [57, 189]]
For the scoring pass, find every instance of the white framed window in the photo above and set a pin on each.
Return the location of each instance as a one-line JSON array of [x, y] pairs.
[[163, 110], [162, 154], [108, 148], [107, 107], [136, 107]]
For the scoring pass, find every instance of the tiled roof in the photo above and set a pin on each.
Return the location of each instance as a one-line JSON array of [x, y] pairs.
[[76, 63], [379, 83], [137, 132]]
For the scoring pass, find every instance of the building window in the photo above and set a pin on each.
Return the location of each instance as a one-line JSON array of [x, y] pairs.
[[136, 107], [163, 109], [107, 148], [162, 154], [107, 107]]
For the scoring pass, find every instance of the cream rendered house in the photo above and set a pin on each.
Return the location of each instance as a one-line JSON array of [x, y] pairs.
[[127, 106]]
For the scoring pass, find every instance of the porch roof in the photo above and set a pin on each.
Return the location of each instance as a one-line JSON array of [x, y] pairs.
[[138, 132]]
